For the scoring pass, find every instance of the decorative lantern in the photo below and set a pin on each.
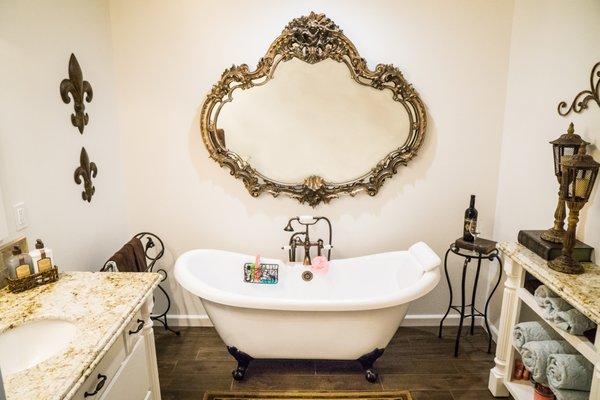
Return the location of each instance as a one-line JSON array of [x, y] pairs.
[[579, 173], [566, 145]]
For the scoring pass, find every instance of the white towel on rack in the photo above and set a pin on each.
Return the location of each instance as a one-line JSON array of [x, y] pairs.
[[569, 371], [564, 394], [553, 306], [541, 293], [532, 331], [573, 321], [535, 356]]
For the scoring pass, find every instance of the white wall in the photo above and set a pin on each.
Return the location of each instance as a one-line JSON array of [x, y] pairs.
[[39, 148], [554, 46], [3, 223], [168, 55]]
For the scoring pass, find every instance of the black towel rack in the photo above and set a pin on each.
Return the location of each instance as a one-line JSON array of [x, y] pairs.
[[154, 250]]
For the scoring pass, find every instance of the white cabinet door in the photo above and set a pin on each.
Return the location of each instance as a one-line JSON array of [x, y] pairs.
[[132, 381]]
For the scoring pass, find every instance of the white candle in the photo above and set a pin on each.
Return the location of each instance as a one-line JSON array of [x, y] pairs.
[[581, 186]]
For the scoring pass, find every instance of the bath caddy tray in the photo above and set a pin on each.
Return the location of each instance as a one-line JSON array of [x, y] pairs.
[[267, 274], [31, 281]]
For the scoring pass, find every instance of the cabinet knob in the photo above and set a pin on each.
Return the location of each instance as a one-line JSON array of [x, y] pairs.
[[99, 386], [139, 328]]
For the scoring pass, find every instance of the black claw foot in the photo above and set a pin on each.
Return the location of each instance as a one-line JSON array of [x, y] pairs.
[[243, 360], [238, 373], [371, 375], [367, 362]]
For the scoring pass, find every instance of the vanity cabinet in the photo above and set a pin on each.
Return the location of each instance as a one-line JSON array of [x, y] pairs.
[[128, 369]]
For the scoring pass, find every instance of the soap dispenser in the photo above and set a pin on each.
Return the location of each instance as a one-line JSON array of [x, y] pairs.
[[19, 265], [42, 257]]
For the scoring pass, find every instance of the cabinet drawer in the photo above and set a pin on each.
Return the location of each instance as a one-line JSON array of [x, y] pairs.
[[99, 379], [132, 381], [133, 331]]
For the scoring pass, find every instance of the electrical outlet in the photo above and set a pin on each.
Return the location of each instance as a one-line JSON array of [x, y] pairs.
[[20, 216]]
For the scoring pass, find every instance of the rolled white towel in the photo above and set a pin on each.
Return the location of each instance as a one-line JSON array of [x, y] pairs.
[[573, 321], [535, 356], [564, 394], [553, 306], [532, 331], [569, 371], [541, 293]]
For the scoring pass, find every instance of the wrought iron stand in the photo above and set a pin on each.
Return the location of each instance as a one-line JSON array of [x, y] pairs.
[[480, 250], [151, 240], [151, 243]]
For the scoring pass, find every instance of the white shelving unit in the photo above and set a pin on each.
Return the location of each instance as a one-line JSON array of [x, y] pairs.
[[520, 390], [514, 299], [580, 343]]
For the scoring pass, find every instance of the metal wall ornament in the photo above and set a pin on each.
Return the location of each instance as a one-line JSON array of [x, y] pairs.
[[84, 173], [580, 102], [77, 88], [312, 39]]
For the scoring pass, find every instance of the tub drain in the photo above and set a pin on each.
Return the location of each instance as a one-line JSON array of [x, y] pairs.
[[307, 275]]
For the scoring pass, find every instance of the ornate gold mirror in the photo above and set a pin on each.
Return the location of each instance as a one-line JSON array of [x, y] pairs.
[[317, 121]]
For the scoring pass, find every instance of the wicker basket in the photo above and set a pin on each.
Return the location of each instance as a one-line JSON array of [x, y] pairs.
[[31, 281]]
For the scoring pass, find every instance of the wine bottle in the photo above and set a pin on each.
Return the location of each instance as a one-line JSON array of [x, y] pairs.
[[470, 221]]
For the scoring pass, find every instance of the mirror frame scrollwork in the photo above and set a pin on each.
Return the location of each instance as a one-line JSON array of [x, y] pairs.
[[312, 39]]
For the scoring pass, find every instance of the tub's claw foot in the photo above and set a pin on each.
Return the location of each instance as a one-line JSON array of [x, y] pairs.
[[238, 373], [367, 362], [243, 361], [371, 375]]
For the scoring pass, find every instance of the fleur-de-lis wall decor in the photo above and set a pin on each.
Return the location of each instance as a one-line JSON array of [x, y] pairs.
[[582, 99], [84, 173], [77, 87]]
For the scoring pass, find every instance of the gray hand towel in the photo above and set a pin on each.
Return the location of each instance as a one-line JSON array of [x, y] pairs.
[[564, 394], [535, 356], [532, 331], [541, 293], [553, 306], [573, 321], [569, 371]]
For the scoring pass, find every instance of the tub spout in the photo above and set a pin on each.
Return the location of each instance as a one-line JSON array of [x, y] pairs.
[[307, 260]]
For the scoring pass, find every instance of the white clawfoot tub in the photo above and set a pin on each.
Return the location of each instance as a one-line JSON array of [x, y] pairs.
[[348, 313]]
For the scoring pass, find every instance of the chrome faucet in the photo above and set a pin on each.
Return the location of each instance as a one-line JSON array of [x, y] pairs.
[[302, 238]]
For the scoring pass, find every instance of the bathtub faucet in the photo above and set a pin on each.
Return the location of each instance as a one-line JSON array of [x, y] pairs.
[[302, 238]]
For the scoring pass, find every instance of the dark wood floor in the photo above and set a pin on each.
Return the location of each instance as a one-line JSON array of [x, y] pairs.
[[415, 360]]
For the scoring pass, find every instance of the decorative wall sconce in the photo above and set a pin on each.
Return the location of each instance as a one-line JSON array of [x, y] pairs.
[[579, 173], [77, 87], [86, 171], [567, 144], [582, 99]]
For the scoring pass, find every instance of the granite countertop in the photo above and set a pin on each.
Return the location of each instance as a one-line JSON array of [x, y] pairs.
[[581, 291], [100, 304]]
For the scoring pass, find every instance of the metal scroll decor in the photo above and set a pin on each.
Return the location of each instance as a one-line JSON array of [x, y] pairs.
[[77, 88], [580, 102], [312, 39], [84, 174]]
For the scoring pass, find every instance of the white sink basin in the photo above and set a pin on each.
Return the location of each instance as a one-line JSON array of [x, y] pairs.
[[29, 344]]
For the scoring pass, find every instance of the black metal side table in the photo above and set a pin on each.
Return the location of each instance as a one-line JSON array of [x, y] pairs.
[[481, 249]]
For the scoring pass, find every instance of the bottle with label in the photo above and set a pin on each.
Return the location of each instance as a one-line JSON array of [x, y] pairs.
[[19, 265], [42, 257], [470, 225]]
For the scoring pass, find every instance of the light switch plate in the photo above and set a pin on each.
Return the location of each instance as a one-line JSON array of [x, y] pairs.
[[21, 221]]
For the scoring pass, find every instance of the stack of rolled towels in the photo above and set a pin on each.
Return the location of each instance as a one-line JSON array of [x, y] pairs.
[[553, 362], [561, 312]]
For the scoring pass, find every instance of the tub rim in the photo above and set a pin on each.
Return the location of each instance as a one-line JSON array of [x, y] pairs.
[[421, 287]]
